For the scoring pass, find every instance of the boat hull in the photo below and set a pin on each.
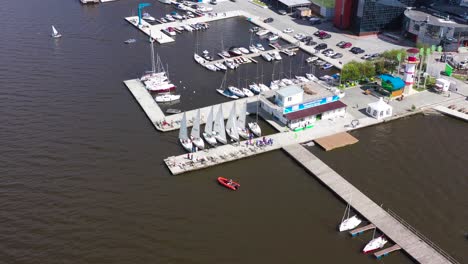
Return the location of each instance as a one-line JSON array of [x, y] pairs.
[[199, 143], [255, 128], [187, 144], [225, 182], [210, 139]]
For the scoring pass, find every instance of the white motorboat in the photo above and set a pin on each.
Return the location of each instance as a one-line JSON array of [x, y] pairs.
[[241, 125], [288, 30], [205, 9], [276, 55], [130, 41], [244, 50], [311, 77], [181, 7], [169, 31], [183, 136], [320, 62], [55, 33], [273, 37], [231, 127], [227, 93], [163, 20], [274, 85], [288, 52], [159, 87], [148, 17], [225, 54], [375, 244], [253, 49], [236, 91], [206, 55], [199, 59], [188, 28], [190, 14], [168, 2], [220, 66], [302, 79], [263, 87], [235, 51], [311, 59], [180, 28], [165, 98], [260, 47], [231, 64], [211, 67], [267, 56], [255, 88], [170, 18], [208, 133], [255, 128], [325, 78], [176, 16], [219, 131], [195, 133], [247, 92], [262, 32], [287, 81]]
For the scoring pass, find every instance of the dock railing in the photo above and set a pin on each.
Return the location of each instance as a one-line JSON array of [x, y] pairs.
[[422, 237]]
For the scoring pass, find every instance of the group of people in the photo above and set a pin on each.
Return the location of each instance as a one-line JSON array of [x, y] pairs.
[[260, 142], [164, 123]]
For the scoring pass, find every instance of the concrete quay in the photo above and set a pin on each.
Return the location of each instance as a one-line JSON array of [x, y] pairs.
[[411, 243], [157, 117], [452, 112]]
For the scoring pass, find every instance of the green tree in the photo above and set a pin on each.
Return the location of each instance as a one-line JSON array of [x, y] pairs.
[[380, 66], [390, 58], [367, 69], [351, 71]]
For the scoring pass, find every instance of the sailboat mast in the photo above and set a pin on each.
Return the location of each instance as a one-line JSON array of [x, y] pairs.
[[153, 64]]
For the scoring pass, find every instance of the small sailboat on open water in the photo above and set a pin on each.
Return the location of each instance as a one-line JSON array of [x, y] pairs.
[[55, 33]]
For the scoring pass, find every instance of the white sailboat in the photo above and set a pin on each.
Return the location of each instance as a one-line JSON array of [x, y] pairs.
[[218, 128], [183, 137], [231, 127], [208, 134], [241, 125], [350, 222], [375, 244], [195, 134], [253, 126], [55, 33]]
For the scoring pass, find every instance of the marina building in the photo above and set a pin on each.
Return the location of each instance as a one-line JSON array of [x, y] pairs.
[[299, 108]]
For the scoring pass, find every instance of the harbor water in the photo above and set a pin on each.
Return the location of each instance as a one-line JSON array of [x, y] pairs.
[[83, 179]]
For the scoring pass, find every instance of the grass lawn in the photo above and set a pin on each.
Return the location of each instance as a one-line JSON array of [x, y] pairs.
[[259, 2]]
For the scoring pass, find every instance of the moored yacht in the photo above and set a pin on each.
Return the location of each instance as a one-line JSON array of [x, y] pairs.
[[375, 244], [236, 91]]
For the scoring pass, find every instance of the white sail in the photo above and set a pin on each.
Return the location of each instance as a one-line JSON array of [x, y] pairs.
[[183, 128], [209, 122], [54, 31], [242, 115], [234, 132], [196, 126], [219, 124], [231, 123]]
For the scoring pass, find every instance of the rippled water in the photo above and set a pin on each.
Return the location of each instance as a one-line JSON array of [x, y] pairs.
[[82, 179]]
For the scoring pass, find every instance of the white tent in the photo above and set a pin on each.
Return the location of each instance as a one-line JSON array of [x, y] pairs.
[[379, 109]]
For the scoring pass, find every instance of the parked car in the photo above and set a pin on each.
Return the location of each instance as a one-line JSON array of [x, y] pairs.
[[282, 12], [337, 56], [346, 45], [357, 50], [317, 33], [321, 46], [341, 43], [213, 2], [327, 51], [288, 30], [268, 20], [366, 57], [311, 43], [323, 35], [306, 39], [299, 36], [315, 20], [375, 55], [194, 6]]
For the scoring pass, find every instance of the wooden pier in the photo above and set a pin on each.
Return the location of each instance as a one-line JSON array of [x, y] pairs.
[[336, 141], [386, 251], [361, 230], [452, 112], [410, 242]]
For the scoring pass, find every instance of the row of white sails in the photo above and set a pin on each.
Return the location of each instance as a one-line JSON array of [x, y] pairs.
[[215, 129]]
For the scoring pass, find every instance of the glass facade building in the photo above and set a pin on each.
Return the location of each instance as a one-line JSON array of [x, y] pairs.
[[372, 16]]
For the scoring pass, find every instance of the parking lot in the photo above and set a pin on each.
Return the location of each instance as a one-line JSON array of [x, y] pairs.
[[370, 44]]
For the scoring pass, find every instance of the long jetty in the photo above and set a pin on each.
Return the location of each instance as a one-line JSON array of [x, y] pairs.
[[410, 242]]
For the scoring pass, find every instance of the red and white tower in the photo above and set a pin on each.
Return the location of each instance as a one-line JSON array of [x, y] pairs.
[[410, 69]]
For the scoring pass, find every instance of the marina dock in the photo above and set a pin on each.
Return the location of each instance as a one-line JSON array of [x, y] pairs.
[[452, 112], [409, 241], [386, 251], [361, 230], [155, 30]]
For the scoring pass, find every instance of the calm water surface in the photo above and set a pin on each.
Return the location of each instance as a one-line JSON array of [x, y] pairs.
[[82, 173]]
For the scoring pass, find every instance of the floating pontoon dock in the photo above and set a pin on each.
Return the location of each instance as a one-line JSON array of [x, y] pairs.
[[386, 251], [336, 141], [361, 230]]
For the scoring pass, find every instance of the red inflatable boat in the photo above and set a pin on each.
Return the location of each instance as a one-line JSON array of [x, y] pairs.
[[228, 183]]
